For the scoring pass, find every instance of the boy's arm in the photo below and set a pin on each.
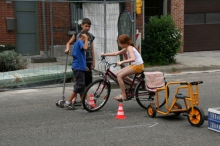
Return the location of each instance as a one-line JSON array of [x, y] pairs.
[[93, 55], [85, 46], [72, 39]]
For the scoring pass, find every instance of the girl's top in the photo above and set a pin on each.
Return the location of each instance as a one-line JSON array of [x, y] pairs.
[[138, 58]]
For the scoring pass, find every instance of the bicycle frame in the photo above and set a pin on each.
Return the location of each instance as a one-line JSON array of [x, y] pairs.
[[113, 76]]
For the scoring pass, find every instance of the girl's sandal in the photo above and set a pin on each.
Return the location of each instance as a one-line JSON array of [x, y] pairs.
[[119, 98]]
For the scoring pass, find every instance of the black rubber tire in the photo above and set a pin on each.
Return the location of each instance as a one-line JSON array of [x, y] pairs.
[[62, 104], [196, 118], [177, 106], [144, 98], [151, 111], [100, 98]]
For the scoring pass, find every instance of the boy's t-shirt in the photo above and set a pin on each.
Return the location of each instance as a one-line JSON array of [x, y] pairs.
[[79, 58], [88, 51]]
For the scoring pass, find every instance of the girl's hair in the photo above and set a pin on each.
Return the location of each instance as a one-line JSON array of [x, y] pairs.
[[125, 39]]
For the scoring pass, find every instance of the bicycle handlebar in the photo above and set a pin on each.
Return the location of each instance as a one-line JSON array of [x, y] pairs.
[[103, 58], [192, 83]]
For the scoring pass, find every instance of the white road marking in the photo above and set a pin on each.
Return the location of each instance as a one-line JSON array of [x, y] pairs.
[[153, 125], [136, 126], [193, 72]]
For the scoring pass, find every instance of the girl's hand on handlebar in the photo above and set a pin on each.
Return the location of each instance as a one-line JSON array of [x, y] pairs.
[[119, 63], [102, 54]]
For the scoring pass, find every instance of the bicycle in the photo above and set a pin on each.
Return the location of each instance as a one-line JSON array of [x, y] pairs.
[[194, 113], [99, 90]]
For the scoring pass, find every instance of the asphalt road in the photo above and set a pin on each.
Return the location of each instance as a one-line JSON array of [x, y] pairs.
[[29, 117]]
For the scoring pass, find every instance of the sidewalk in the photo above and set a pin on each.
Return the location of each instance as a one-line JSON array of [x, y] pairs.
[[192, 61], [44, 72]]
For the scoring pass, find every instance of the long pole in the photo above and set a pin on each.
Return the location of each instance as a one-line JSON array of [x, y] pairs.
[[44, 27], [51, 28], [105, 35]]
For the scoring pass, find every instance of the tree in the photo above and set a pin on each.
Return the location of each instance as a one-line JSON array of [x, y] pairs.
[[161, 42]]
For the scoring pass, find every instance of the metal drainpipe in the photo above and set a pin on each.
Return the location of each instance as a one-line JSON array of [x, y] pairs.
[[44, 27], [134, 21], [164, 7], [51, 28], [105, 45], [143, 12]]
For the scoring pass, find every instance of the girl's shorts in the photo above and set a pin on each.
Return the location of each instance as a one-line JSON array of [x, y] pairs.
[[137, 68]]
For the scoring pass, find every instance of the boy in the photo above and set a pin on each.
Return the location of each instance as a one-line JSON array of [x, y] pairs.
[[90, 59], [78, 66]]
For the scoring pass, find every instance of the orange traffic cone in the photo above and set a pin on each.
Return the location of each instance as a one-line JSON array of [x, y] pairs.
[[120, 114], [91, 101]]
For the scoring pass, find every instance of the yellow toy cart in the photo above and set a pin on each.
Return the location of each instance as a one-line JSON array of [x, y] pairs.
[[194, 113]]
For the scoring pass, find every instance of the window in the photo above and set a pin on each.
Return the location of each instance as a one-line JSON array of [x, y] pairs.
[[195, 18], [153, 8], [212, 18], [76, 14]]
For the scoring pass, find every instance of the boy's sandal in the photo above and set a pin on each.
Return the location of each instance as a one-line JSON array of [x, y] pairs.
[[119, 98]]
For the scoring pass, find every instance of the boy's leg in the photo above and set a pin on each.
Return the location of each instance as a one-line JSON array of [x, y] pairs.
[[68, 103], [79, 85], [88, 77], [72, 97]]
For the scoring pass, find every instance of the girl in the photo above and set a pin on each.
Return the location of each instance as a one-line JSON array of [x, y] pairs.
[[125, 42]]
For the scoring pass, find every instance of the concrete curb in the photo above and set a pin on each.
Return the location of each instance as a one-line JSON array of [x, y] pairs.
[[180, 68]]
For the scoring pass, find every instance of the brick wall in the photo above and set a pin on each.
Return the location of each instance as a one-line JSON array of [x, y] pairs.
[[61, 23], [177, 13], [6, 10]]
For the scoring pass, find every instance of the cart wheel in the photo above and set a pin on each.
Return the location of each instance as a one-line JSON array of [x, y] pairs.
[[177, 106], [62, 104], [151, 111], [57, 103], [196, 117]]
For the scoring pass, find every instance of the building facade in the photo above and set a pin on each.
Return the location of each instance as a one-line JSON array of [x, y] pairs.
[[23, 25]]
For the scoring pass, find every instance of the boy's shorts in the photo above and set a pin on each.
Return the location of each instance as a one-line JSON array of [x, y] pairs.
[[137, 68], [88, 74], [79, 81]]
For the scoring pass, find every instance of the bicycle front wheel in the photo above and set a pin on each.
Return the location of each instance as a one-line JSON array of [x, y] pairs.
[[96, 95], [144, 97]]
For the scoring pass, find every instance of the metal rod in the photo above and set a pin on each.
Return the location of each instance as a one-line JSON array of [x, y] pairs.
[[134, 23], [83, 1], [164, 7], [105, 47], [51, 29], [44, 27]]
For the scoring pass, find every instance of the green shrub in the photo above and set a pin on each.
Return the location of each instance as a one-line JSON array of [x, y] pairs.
[[10, 60], [161, 42], [6, 47]]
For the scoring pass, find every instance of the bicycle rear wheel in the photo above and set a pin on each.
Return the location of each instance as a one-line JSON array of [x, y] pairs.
[[96, 95], [144, 98]]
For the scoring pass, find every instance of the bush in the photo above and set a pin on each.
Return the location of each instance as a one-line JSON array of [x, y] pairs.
[[10, 60], [161, 42], [6, 47]]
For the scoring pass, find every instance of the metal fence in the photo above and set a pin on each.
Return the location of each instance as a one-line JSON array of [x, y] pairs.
[[55, 28]]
